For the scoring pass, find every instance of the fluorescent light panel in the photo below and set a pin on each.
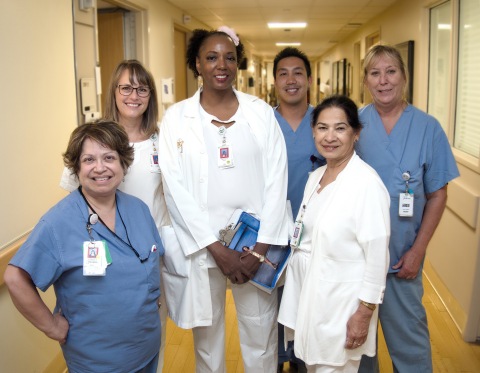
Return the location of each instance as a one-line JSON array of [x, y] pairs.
[[294, 44], [287, 24]]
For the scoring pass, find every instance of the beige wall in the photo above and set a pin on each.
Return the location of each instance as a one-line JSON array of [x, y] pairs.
[[38, 107], [453, 257]]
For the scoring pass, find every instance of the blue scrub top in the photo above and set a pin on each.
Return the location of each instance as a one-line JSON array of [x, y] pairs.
[[114, 320], [300, 149], [418, 145]]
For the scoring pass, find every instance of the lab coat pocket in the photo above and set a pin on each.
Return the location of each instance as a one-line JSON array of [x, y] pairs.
[[175, 262]]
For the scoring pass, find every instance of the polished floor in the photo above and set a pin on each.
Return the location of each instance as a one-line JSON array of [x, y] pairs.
[[450, 353]]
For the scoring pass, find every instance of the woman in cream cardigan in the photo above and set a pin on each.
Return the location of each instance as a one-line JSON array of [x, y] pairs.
[[336, 276]]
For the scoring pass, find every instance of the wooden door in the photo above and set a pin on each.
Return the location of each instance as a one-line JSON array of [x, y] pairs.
[[180, 47], [110, 45]]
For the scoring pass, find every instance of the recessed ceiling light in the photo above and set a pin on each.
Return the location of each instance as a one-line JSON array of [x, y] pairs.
[[294, 44], [287, 24]]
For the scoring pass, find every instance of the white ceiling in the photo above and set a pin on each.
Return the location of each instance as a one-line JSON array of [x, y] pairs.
[[329, 21]]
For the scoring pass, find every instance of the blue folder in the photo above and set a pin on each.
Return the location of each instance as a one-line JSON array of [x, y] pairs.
[[246, 233]]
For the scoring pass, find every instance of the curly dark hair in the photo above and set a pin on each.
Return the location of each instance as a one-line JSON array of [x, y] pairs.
[[195, 43]]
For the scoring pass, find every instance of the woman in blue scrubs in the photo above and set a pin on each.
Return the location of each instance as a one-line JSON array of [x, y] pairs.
[[100, 249], [410, 151]]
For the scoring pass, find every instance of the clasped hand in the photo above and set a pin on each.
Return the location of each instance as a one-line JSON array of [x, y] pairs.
[[238, 267]]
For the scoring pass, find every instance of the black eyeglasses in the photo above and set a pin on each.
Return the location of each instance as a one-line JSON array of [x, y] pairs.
[[126, 90]]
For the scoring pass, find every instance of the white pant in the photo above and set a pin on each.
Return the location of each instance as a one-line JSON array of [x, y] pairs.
[[257, 324], [350, 367]]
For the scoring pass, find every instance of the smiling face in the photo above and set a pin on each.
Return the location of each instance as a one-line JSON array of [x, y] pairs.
[[333, 136], [291, 81], [132, 106], [217, 62], [385, 81], [100, 170]]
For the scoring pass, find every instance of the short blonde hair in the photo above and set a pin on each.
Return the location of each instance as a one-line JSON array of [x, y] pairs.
[[381, 50]]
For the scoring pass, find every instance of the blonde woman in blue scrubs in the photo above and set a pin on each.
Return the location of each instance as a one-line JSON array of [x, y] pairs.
[[410, 151]]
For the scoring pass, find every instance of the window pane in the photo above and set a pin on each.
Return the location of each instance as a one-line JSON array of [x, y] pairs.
[[440, 61], [467, 128]]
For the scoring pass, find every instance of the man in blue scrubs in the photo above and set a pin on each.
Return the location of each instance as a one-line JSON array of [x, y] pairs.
[[293, 76]]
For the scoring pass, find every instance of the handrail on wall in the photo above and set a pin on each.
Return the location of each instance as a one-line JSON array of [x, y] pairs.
[[7, 254]]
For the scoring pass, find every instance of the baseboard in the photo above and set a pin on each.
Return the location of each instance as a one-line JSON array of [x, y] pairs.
[[452, 306]]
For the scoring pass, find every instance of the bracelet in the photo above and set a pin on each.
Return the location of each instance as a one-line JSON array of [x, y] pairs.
[[370, 306], [260, 257]]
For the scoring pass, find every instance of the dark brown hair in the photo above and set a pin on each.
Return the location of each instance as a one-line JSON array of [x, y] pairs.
[[108, 133]]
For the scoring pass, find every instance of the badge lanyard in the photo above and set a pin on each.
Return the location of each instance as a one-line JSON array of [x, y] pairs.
[[225, 154], [94, 216], [298, 226], [96, 256], [154, 166]]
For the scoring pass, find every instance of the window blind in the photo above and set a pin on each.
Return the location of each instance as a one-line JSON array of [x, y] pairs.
[[467, 113]]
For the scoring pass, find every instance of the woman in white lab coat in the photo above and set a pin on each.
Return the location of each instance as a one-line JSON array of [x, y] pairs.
[[221, 150]]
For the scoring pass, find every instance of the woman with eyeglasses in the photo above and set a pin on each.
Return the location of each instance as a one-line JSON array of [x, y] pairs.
[[100, 250], [132, 102]]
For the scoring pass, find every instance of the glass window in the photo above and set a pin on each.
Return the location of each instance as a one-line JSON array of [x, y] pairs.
[[467, 114], [440, 63]]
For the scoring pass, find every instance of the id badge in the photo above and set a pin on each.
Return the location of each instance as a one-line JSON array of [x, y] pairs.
[[225, 156], [154, 166], [405, 205], [297, 234], [94, 258]]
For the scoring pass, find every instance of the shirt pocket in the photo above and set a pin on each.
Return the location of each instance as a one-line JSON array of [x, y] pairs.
[[152, 266]]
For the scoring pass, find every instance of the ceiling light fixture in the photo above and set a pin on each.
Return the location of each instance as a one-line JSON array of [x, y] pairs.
[[287, 24], [293, 44]]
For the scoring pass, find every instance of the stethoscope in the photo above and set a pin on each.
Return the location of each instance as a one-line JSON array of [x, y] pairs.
[[94, 218]]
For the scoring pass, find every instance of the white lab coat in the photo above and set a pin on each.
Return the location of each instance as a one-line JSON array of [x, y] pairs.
[[349, 263], [184, 163]]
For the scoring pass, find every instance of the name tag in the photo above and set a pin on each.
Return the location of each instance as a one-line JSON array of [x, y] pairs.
[[297, 234], [405, 205], [154, 166], [94, 258], [225, 156]]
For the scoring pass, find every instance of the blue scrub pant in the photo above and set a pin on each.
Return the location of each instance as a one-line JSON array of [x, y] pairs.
[[404, 324], [151, 367]]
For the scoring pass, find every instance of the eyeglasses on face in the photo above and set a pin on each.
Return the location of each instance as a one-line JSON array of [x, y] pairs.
[[126, 90]]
